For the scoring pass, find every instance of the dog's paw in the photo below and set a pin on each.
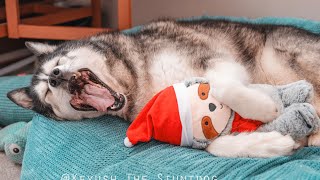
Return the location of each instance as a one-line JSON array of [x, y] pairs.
[[275, 144], [263, 109], [301, 143], [269, 110], [257, 144], [314, 139]]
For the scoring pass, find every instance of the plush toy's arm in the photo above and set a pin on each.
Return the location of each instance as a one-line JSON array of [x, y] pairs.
[[200, 144], [297, 92], [256, 144], [298, 120], [231, 89]]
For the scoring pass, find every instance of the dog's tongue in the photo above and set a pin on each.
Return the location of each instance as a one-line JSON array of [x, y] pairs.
[[99, 98]]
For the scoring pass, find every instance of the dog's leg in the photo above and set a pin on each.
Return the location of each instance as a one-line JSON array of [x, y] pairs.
[[229, 82], [314, 139], [255, 144]]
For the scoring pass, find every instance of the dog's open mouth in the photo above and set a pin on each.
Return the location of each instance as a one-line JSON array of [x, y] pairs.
[[91, 94]]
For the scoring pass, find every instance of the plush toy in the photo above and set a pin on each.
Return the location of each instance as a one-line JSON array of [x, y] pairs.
[[13, 139], [187, 114]]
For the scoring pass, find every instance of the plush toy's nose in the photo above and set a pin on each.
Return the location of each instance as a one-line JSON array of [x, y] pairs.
[[212, 107]]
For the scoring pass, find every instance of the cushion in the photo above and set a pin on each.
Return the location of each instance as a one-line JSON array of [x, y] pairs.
[[93, 149], [9, 111]]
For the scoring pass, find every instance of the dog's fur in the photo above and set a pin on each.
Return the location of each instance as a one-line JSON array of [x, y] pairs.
[[229, 54]]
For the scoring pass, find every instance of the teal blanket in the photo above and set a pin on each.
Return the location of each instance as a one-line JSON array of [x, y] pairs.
[[93, 149]]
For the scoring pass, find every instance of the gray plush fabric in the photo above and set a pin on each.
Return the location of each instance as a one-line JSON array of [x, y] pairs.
[[299, 120], [195, 80], [298, 117], [298, 92], [229, 125], [200, 144]]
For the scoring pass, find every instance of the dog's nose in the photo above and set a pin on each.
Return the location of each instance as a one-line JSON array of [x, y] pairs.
[[56, 73], [54, 82], [55, 77]]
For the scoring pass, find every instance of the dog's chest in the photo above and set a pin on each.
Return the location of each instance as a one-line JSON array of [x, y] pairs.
[[168, 67]]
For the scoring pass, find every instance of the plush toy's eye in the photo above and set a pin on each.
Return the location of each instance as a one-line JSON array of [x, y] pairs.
[[14, 148], [203, 91], [207, 128]]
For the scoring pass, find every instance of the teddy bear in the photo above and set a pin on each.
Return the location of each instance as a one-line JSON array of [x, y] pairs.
[[13, 139], [188, 114]]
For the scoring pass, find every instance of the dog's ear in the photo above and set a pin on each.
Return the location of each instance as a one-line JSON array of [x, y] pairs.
[[21, 97], [38, 48]]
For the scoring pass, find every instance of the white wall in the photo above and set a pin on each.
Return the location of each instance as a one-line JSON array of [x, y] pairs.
[[146, 10]]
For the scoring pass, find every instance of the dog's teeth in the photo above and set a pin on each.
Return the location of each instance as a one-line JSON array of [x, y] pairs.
[[98, 85]]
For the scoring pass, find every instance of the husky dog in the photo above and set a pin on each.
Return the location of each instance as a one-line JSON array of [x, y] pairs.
[[116, 74]]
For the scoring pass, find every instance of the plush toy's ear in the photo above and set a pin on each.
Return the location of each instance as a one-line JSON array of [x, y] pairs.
[[40, 48], [21, 97]]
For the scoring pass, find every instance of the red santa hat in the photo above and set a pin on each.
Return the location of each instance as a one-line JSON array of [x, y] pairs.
[[166, 117]]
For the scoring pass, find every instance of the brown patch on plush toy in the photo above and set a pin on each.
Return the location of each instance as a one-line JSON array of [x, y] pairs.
[[207, 128], [203, 91]]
